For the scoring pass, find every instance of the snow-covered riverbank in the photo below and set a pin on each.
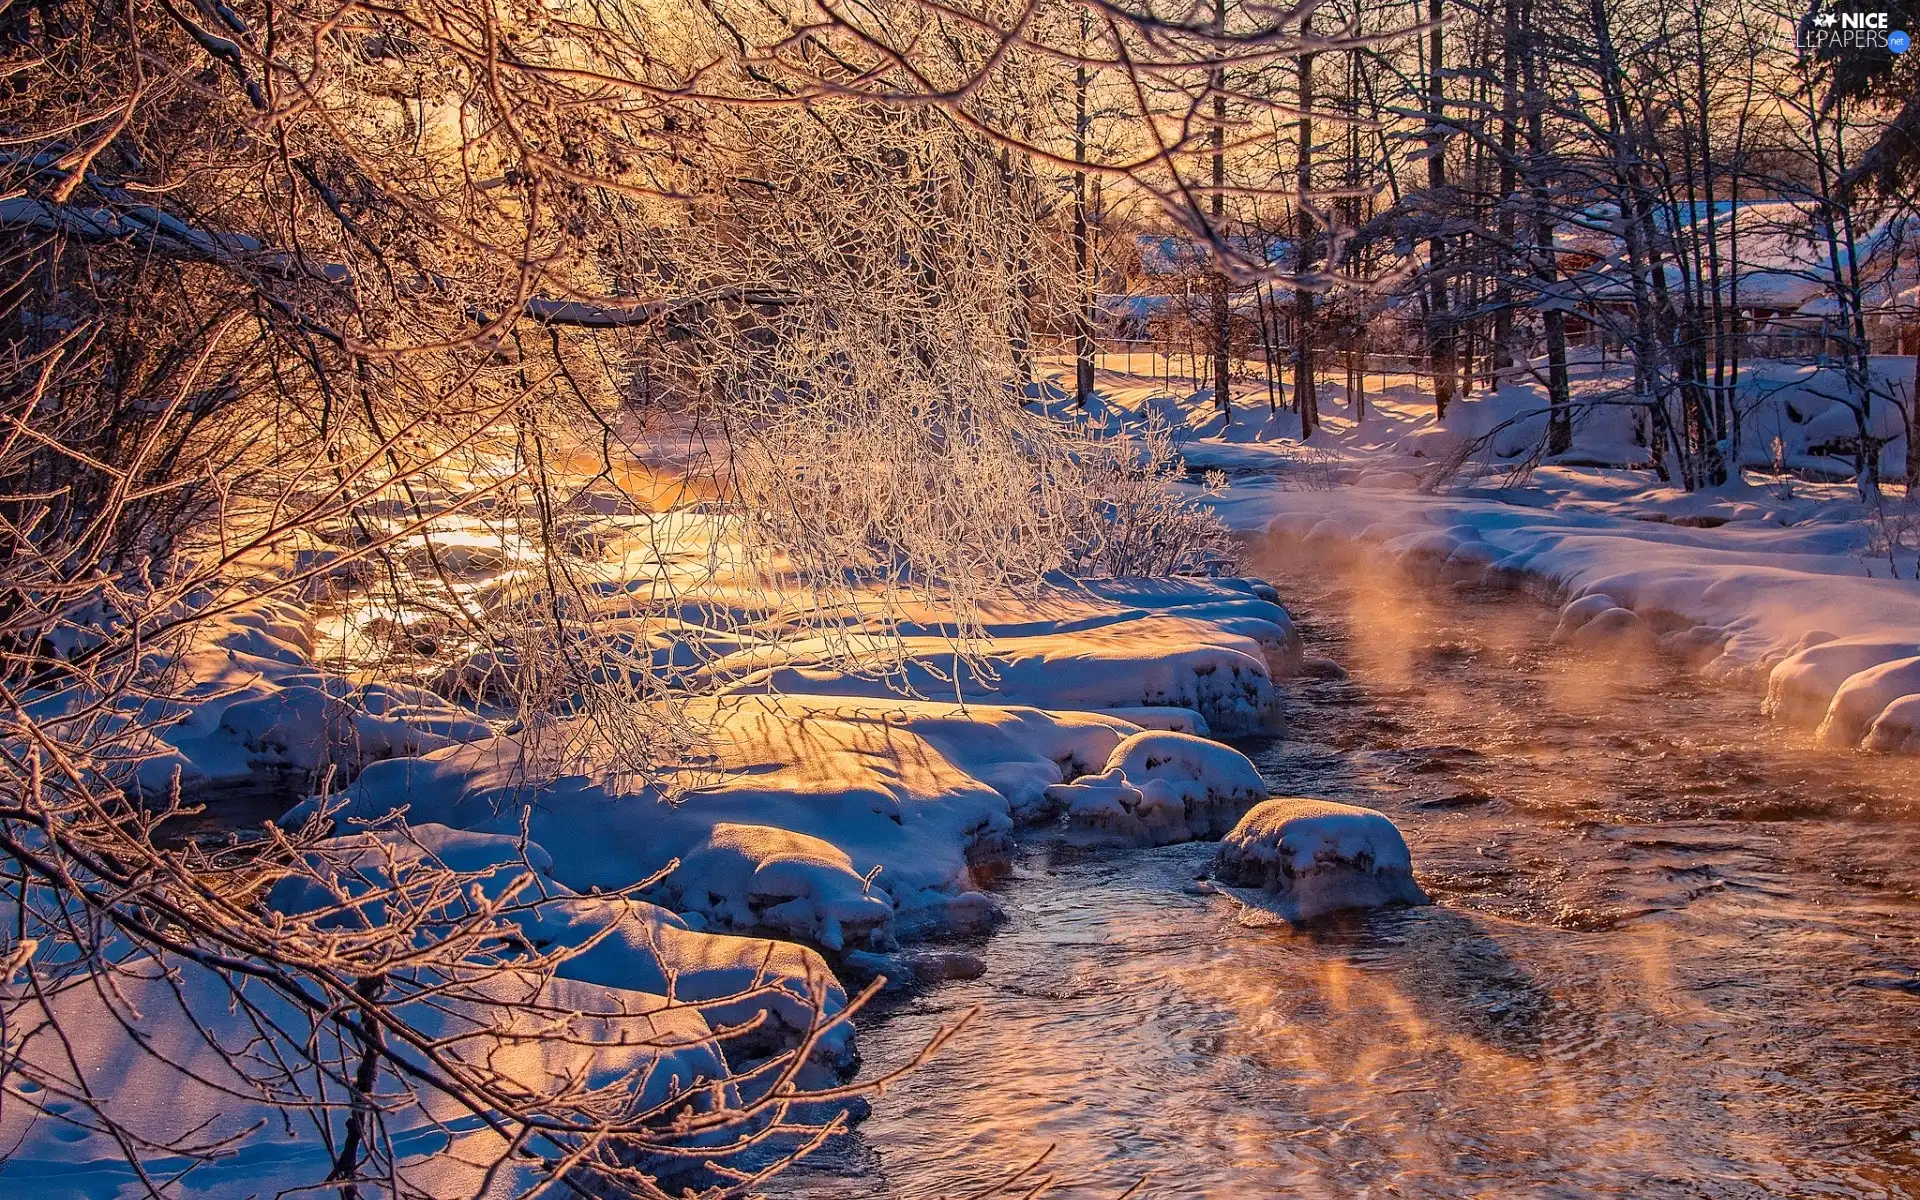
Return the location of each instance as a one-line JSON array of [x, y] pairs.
[[1778, 582], [859, 780], [830, 819]]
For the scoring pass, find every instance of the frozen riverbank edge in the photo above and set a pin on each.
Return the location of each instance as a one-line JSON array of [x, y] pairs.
[[1729, 583]]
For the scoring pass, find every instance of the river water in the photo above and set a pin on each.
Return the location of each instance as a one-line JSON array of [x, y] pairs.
[[1675, 952]]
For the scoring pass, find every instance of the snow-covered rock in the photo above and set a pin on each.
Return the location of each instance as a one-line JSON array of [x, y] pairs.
[[1575, 614], [1801, 687], [1699, 644], [1614, 628], [1897, 729], [1302, 859], [1212, 784], [1860, 701], [1103, 808], [754, 877]]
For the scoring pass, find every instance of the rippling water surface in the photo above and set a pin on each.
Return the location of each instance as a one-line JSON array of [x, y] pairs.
[[1674, 953]]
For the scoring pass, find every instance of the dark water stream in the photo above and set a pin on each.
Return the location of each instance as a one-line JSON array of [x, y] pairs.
[[1676, 952]]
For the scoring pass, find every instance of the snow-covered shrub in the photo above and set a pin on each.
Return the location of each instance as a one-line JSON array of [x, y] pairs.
[[1130, 516]]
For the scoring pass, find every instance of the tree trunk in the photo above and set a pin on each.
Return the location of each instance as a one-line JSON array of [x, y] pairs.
[[1439, 321], [1509, 139], [1082, 248], [1546, 266], [1304, 393], [1222, 318]]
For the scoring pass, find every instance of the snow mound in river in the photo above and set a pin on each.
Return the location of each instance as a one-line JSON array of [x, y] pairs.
[[1306, 858], [1107, 808], [1801, 687], [1897, 728]]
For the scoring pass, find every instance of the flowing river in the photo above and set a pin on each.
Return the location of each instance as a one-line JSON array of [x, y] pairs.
[[1674, 952]]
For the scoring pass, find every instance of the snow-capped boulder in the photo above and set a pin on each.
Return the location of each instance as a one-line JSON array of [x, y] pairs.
[[1106, 807], [1801, 687], [1576, 614], [1101, 807], [1305, 858], [1616, 627], [1693, 646], [1430, 547], [757, 877], [1469, 561], [1859, 702], [1897, 729], [1213, 784]]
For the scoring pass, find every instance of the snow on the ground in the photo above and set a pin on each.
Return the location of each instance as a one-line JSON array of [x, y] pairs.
[[853, 794], [1155, 660], [1301, 859], [250, 701], [1399, 437], [1209, 646], [1739, 580], [185, 1067], [915, 795], [615, 941]]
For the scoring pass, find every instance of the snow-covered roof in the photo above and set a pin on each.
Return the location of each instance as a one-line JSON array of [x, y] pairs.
[[1773, 254], [1182, 254]]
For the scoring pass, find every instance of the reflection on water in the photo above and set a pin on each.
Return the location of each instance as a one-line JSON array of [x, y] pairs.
[[1674, 954]]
